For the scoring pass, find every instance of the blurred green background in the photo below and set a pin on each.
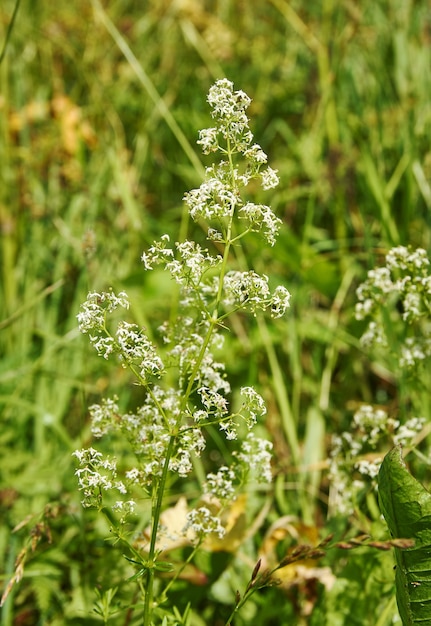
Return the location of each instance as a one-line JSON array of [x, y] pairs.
[[100, 105]]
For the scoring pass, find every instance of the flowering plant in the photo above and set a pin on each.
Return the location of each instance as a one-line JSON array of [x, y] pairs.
[[185, 387], [396, 300], [356, 455]]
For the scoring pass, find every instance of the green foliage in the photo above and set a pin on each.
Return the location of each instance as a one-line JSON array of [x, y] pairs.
[[406, 505], [92, 171]]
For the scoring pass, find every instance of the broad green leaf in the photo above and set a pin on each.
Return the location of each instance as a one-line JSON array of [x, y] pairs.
[[406, 506]]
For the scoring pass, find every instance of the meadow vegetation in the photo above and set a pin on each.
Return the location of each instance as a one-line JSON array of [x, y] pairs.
[[100, 108]]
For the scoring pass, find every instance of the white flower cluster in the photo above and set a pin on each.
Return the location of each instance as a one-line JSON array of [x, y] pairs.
[[216, 410], [398, 294], [103, 416], [222, 484], [203, 523], [96, 474], [219, 197], [187, 338], [371, 424], [92, 315], [406, 433], [228, 109], [249, 290], [190, 266], [214, 199], [190, 444], [255, 457], [125, 508], [358, 451], [241, 290], [218, 201], [260, 218], [165, 433], [129, 342], [253, 406], [148, 432]]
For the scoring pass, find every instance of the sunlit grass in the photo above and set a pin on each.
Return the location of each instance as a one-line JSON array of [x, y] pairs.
[[99, 109]]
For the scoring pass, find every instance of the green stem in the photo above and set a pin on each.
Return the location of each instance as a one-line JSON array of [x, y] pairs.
[[161, 485], [147, 84], [214, 320], [156, 512], [240, 605], [9, 29], [181, 569]]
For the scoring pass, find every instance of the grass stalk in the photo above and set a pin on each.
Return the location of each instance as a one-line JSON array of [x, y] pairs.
[[148, 85]]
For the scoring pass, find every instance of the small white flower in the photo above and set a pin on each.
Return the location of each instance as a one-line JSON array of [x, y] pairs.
[[255, 454], [406, 433], [221, 484], [103, 416], [280, 301], [157, 253], [269, 178], [203, 523], [254, 404], [261, 218], [256, 154], [93, 311], [133, 475], [208, 140], [247, 290], [120, 486], [213, 401], [369, 468]]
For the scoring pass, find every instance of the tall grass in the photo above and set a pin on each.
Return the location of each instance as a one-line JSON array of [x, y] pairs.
[[99, 108]]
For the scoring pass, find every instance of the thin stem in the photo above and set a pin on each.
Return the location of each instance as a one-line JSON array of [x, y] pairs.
[[192, 378], [161, 485], [9, 30], [148, 85], [240, 604], [156, 512], [181, 569], [214, 320]]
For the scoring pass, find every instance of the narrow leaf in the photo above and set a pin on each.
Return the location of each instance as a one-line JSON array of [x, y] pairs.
[[406, 506]]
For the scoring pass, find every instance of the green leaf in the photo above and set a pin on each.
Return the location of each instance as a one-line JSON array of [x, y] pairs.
[[406, 506], [163, 566]]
